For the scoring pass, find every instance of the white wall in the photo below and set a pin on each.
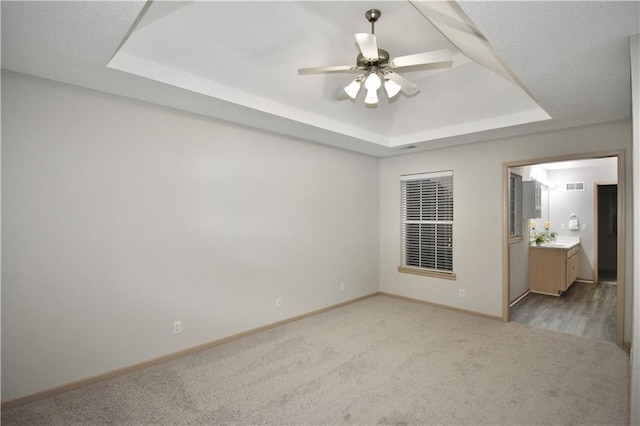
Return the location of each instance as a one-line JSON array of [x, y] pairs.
[[478, 212], [518, 269], [120, 217], [563, 203], [635, 360], [519, 251]]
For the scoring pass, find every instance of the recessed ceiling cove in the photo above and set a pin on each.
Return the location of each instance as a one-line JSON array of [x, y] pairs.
[[248, 54]]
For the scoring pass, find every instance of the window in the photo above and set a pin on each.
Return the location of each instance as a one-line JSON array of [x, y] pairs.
[[515, 205], [427, 224]]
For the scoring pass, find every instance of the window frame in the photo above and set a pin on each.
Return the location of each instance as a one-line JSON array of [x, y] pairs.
[[516, 208], [433, 214]]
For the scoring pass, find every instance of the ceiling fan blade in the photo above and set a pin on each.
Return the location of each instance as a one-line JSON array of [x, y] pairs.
[[319, 70], [433, 57], [407, 87], [368, 45]]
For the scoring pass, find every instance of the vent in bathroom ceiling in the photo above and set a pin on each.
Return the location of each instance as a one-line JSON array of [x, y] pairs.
[[575, 186]]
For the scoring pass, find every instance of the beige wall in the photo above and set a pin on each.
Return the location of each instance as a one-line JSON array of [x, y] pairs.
[[478, 208], [635, 361], [120, 217], [519, 251], [582, 204]]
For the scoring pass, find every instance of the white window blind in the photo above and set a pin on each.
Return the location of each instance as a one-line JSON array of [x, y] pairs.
[[427, 221]]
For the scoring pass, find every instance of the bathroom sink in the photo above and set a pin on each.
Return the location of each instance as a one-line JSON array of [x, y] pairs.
[[559, 244]]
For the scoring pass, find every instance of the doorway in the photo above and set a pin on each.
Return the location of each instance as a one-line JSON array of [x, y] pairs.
[[587, 231], [606, 220]]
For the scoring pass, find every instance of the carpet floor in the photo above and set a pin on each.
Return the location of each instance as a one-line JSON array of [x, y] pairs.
[[377, 361]]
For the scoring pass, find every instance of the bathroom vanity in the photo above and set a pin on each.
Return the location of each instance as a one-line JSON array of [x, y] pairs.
[[553, 266]]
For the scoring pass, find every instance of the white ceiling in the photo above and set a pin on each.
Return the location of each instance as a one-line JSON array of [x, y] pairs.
[[519, 67]]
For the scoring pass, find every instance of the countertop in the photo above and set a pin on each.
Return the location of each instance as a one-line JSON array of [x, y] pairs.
[[561, 243]]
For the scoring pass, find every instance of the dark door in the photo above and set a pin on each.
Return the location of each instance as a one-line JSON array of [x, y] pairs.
[[607, 233]]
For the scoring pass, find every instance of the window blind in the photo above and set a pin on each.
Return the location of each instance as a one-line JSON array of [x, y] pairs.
[[427, 221]]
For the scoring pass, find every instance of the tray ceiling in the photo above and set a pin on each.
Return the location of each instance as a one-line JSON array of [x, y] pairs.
[[518, 67]]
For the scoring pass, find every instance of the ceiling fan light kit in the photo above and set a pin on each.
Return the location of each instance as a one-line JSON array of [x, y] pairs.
[[354, 87], [374, 64]]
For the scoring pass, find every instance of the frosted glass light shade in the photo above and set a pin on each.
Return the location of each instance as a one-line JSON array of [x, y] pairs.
[[372, 84], [353, 88], [392, 88], [371, 98]]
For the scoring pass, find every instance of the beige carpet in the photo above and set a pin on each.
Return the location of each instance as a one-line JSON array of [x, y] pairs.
[[378, 361]]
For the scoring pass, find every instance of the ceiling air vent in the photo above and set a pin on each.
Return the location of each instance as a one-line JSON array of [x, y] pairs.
[[575, 186]]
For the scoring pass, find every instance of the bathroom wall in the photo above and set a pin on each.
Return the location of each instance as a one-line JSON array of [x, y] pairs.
[[557, 205], [563, 203], [519, 250]]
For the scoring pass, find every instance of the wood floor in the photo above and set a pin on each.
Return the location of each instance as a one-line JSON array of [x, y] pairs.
[[585, 309]]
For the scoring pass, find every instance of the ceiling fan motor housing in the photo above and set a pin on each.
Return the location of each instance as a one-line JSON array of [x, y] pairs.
[[381, 62]]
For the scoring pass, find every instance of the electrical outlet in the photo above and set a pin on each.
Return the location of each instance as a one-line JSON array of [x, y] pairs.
[[584, 226], [341, 286], [461, 292], [562, 226], [278, 302], [177, 327]]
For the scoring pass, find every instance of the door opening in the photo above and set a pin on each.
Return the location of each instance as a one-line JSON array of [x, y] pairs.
[[515, 253], [606, 269]]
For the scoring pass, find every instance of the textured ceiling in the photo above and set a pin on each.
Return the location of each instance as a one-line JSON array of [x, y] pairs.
[[237, 61]]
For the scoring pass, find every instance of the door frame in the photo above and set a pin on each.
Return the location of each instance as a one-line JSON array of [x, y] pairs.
[[621, 240]]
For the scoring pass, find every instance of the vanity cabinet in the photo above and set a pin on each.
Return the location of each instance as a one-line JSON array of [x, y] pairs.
[[531, 199], [552, 270]]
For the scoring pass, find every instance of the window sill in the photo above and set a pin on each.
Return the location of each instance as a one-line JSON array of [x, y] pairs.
[[427, 273]]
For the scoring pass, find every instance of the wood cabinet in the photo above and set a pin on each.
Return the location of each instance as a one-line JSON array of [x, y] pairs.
[[553, 270]]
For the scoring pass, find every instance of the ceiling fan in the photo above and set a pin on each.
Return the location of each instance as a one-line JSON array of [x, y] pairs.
[[376, 68]]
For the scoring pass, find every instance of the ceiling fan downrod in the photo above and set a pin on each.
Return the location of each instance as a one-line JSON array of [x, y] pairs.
[[372, 16]]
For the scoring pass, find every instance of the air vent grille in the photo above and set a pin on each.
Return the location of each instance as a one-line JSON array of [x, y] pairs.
[[575, 186]]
